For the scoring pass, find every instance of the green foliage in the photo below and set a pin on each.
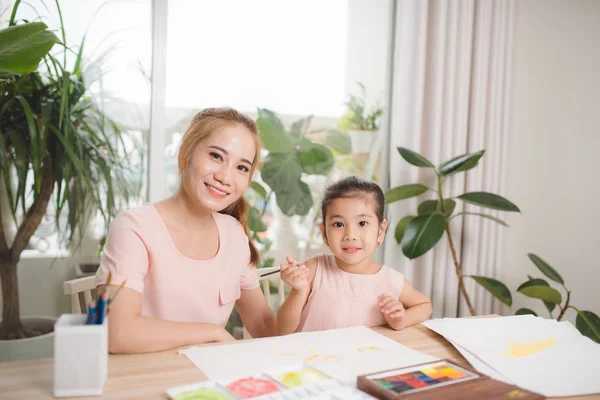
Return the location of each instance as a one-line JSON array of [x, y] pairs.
[[292, 155], [358, 115], [23, 46], [586, 322], [418, 235]]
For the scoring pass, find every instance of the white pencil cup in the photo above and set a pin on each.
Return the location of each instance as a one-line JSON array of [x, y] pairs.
[[80, 356]]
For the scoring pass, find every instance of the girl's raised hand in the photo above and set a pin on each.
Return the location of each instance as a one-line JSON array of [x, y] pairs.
[[393, 310], [294, 274]]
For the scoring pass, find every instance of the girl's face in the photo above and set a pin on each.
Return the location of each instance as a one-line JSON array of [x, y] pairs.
[[352, 230], [219, 170]]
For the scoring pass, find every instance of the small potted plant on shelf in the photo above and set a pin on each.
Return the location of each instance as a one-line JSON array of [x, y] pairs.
[[360, 121]]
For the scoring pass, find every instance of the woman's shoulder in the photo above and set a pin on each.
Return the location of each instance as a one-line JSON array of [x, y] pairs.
[[140, 217], [229, 223]]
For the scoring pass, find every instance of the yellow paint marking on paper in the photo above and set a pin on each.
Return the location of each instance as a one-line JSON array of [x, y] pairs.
[[311, 357], [518, 349], [286, 354], [367, 348], [333, 357], [313, 349]]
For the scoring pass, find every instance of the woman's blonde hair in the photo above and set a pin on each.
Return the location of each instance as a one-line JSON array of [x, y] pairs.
[[202, 125]]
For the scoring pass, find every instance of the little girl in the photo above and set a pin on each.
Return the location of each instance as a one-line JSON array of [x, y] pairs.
[[348, 288]]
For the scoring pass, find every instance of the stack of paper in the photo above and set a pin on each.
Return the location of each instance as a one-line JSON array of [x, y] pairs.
[[341, 353], [545, 356]]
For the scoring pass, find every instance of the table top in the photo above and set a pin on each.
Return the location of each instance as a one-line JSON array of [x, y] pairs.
[[148, 376]]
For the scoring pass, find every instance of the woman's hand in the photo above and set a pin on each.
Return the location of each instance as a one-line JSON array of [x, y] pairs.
[[393, 311], [294, 274]]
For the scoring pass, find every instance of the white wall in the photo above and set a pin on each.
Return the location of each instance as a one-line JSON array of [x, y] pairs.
[[554, 148]]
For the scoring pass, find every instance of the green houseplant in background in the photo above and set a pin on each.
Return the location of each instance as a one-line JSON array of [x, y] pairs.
[[57, 146], [294, 154], [419, 234], [587, 322], [361, 121]]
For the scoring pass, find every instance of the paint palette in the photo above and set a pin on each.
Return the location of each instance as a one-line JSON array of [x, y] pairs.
[[250, 387], [199, 391], [296, 381], [297, 375], [421, 377]]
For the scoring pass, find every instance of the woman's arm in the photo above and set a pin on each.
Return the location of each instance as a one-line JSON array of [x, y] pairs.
[[129, 332], [257, 316], [410, 309], [301, 280]]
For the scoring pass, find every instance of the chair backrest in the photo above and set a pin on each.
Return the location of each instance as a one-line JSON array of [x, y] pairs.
[[76, 286]]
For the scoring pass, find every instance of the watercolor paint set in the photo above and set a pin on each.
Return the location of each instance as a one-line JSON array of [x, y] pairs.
[[439, 379], [297, 382]]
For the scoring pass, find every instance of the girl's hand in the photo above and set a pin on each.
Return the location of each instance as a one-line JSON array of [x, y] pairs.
[[393, 311], [294, 275]]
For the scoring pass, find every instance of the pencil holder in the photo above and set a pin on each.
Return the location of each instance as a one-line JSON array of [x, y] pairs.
[[80, 356]]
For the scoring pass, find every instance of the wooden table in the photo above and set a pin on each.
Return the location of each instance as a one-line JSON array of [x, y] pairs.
[[147, 376]]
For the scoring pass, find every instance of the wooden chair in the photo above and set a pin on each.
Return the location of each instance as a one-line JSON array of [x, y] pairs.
[[76, 286]]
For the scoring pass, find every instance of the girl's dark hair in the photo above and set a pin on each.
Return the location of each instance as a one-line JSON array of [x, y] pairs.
[[353, 187]]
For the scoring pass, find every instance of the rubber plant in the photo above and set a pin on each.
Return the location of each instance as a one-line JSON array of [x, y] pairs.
[[418, 234]]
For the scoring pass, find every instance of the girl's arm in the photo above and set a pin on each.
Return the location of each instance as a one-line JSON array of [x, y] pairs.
[[129, 332], [300, 278], [410, 309], [257, 316]]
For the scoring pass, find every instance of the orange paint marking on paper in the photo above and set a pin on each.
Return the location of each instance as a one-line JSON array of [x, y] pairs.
[[311, 357]]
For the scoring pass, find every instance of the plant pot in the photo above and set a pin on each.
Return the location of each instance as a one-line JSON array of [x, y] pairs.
[[31, 348], [362, 141]]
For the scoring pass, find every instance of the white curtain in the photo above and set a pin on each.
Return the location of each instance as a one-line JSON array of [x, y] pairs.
[[449, 96]]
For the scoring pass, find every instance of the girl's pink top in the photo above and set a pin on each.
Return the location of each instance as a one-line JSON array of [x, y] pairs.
[[139, 248], [340, 299]]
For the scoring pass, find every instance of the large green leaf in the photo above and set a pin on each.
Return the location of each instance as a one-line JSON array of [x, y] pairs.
[[421, 234], [316, 159], [23, 46], [259, 189], [255, 223], [431, 206], [489, 200], [588, 324], [414, 158], [546, 269], [542, 292], [538, 282], [281, 170], [338, 141], [401, 227], [404, 192], [296, 128], [461, 163], [295, 200], [272, 132], [486, 216], [525, 311], [495, 287]]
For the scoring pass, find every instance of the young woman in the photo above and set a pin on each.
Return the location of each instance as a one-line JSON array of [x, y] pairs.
[[187, 259]]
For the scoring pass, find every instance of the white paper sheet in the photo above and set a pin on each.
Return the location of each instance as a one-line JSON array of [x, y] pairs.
[[341, 353], [537, 354]]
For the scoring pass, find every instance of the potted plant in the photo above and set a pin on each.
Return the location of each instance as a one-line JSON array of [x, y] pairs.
[[360, 121], [418, 234], [57, 146]]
